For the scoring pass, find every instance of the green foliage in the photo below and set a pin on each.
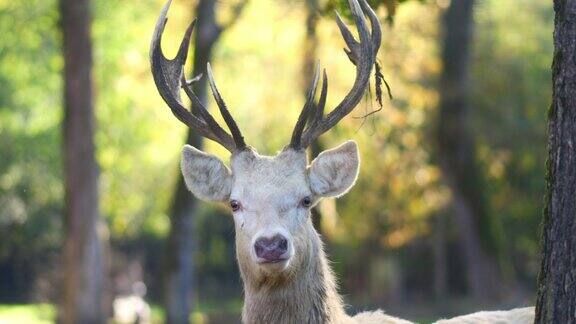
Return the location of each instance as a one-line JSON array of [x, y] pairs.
[[391, 7], [511, 95], [135, 137], [30, 111]]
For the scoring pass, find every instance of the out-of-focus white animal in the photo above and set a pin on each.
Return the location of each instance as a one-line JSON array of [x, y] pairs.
[[515, 316], [132, 309]]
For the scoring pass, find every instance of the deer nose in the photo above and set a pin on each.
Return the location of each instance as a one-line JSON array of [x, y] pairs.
[[271, 250]]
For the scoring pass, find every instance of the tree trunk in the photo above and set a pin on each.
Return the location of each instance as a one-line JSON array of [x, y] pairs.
[[308, 67], [557, 280], [84, 273], [440, 258], [457, 156], [179, 283]]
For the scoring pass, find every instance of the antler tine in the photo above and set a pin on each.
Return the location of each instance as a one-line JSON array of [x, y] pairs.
[[375, 24], [306, 111], [346, 34], [204, 114], [360, 21], [232, 126], [363, 55], [169, 77], [319, 112]]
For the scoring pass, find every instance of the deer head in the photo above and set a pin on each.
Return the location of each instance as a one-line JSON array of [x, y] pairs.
[[270, 197]]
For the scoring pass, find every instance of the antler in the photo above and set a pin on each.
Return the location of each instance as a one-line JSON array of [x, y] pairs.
[[311, 122], [169, 78]]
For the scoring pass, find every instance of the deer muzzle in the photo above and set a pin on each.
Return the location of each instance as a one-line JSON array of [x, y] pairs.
[[273, 249]]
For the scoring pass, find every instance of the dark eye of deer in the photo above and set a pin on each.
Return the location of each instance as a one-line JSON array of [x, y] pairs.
[[235, 205], [306, 202]]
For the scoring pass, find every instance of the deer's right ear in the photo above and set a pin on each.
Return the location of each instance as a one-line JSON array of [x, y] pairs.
[[205, 175]]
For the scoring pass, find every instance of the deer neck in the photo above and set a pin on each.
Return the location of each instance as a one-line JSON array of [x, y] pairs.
[[306, 295]]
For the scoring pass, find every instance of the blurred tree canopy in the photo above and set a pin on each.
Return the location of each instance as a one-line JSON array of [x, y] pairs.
[[386, 218], [30, 165], [391, 7]]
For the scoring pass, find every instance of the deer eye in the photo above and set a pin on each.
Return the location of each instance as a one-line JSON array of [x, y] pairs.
[[235, 205], [306, 202]]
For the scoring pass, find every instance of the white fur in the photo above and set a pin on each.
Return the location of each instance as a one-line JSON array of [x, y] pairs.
[[515, 316], [378, 317], [131, 309], [270, 191]]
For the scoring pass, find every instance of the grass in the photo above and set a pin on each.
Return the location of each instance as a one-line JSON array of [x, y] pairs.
[[213, 310], [46, 313], [29, 314]]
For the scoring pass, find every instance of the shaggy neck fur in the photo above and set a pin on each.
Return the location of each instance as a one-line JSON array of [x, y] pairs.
[[306, 295]]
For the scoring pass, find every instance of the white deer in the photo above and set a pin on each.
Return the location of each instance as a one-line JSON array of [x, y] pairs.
[[286, 276], [285, 272]]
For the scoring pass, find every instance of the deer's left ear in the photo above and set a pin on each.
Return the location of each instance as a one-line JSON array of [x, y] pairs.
[[334, 171]]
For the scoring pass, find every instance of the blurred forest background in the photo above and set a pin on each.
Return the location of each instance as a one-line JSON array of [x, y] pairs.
[[417, 236]]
